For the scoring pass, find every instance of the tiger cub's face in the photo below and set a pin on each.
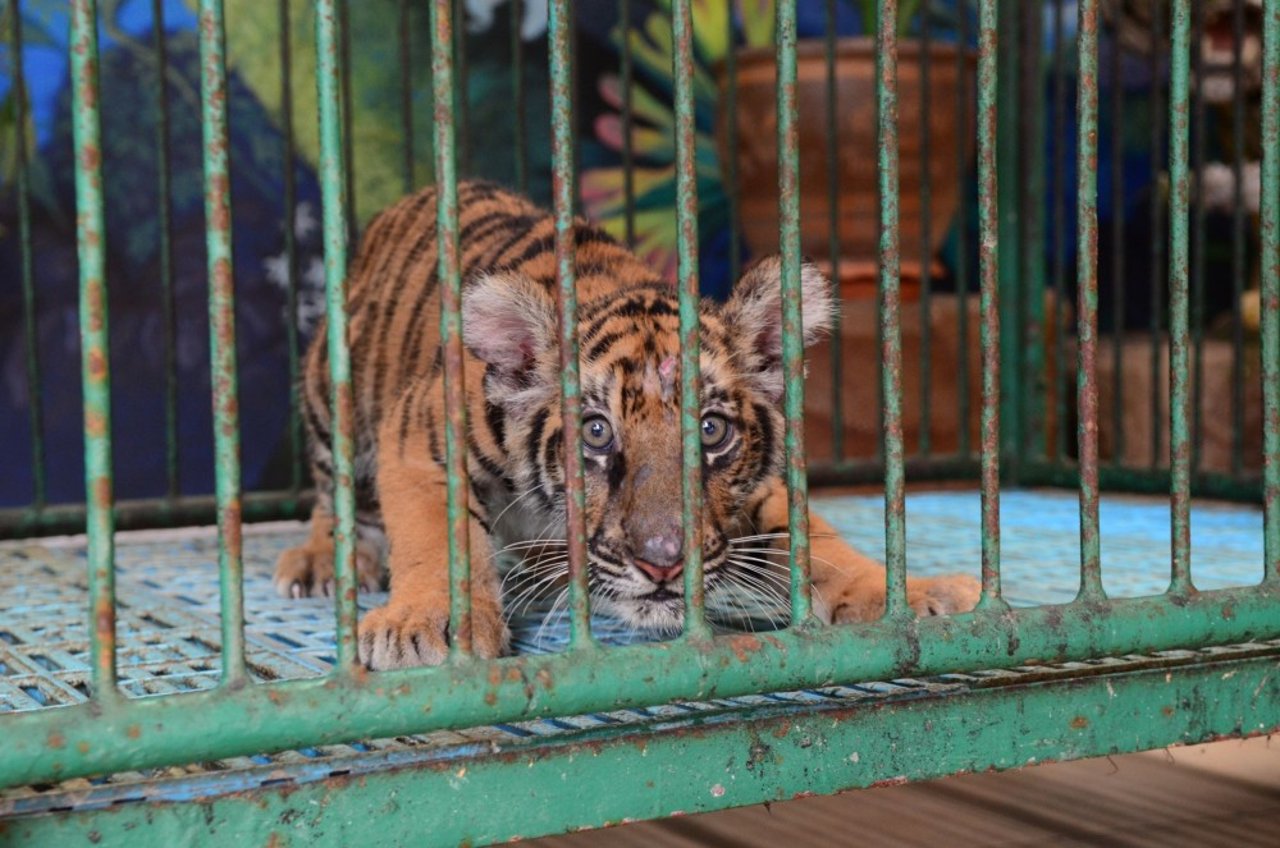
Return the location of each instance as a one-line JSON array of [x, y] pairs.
[[630, 377]]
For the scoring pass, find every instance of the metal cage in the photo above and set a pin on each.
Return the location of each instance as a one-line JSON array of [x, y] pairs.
[[995, 688]]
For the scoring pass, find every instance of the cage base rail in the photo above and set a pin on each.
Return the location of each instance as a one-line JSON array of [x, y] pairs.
[[712, 761], [148, 513]]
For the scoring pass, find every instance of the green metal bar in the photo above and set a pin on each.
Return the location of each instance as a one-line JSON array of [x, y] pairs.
[[695, 621], [926, 255], [962, 240], [297, 444], [731, 166], [406, 94], [895, 506], [1087, 293], [334, 200], [1270, 294], [449, 271], [1179, 296], [1218, 486], [989, 272], [792, 325], [1155, 46], [933, 468], [222, 335], [517, 87], [50, 745], [1012, 402], [836, 341], [994, 726], [35, 424], [67, 519], [94, 348], [563, 188], [1238, 269], [626, 72], [164, 221]]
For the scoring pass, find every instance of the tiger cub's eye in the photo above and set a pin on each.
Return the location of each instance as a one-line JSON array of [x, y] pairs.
[[715, 430], [597, 433]]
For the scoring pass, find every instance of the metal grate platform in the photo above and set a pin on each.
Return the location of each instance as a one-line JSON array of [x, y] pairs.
[[167, 586]]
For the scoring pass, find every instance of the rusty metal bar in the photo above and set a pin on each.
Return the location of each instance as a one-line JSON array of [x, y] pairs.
[[895, 527], [833, 238], [563, 190], [297, 444], [989, 273], [94, 347], [35, 423], [1179, 296], [334, 203], [222, 335], [1087, 294], [792, 328], [1270, 293], [695, 623]]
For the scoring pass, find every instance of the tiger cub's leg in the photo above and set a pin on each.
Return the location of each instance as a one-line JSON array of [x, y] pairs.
[[850, 586], [307, 570], [413, 628]]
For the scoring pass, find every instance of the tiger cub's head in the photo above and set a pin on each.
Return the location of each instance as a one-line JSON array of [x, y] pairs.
[[630, 378]]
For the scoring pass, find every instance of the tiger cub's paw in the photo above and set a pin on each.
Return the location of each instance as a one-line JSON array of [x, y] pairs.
[[307, 570], [944, 595], [402, 635]]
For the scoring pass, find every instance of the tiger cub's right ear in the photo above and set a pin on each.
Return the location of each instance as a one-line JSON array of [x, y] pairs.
[[508, 320]]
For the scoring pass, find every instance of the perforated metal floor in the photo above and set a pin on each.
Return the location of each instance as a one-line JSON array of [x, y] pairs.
[[168, 622]]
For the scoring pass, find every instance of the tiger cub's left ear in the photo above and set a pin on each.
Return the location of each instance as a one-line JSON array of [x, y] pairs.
[[754, 314], [508, 321]]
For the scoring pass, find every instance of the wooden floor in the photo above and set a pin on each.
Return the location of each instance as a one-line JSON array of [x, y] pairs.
[[1225, 793]]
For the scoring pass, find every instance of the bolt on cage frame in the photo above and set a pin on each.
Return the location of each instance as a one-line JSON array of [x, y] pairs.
[[112, 732]]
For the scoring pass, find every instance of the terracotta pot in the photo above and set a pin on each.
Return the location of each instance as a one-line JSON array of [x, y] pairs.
[[756, 150]]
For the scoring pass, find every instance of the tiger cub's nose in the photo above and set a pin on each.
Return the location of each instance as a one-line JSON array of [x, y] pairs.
[[660, 555]]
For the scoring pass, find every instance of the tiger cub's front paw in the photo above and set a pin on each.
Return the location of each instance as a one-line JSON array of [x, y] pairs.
[[402, 635], [944, 595], [307, 570]]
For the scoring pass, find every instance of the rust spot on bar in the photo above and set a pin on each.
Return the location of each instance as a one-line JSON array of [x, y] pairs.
[[134, 731], [1079, 723], [57, 741]]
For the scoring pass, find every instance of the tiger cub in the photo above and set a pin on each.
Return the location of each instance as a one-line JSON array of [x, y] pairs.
[[515, 443]]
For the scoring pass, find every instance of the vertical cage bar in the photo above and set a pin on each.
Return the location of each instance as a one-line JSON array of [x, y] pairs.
[[926, 258], [517, 86], [334, 200], [625, 69], [222, 334], [35, 423], [1087, 285], [989, 272], [962, 240], [1179, 294], [1117, 252], [1157, 220], [406, 94], [1059, 232], [564, 189], [94, 347], [289, 184], [168, 315], [833, 248], [895, 527], [1238, 269], [695, 624], [1270, 294], [1198, 128], [731, 166]]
